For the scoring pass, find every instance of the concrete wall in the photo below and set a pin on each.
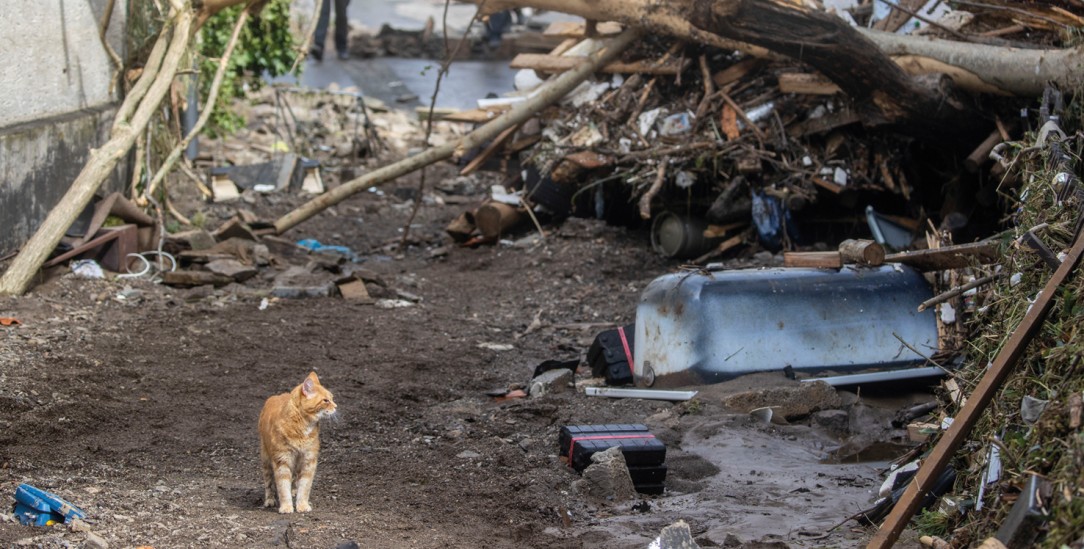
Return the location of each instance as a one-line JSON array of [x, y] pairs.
[[55, 103]]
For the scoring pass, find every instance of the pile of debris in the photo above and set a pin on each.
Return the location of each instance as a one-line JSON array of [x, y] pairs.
[[721, 151]]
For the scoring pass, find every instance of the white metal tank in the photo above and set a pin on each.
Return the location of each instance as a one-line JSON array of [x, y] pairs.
[[711, 326]]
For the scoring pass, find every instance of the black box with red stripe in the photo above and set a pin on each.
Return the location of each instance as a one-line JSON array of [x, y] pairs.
[[644, 454], [610, 355]]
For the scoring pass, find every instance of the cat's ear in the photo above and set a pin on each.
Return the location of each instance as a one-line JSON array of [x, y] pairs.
[[308, 388]]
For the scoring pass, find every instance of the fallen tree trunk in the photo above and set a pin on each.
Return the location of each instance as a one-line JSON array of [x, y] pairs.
[[983, 68], [883, 93], [17, 278], [974, 67], [554, 90]]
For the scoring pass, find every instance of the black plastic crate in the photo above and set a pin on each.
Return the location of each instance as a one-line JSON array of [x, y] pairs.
[[609, 356], [650, 489], [638, 448], [568, 432], [648, 475]]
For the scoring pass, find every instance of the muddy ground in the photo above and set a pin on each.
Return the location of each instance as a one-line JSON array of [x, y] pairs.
[[138, 402]]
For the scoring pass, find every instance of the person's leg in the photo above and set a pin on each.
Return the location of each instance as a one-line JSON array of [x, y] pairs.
[[497, 24], [342, 27], [319, 36]]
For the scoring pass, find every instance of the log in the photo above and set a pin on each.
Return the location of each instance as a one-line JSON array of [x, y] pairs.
[[975, 67], [883, 93], [574, 29], [552, 91], [862, 252], [21, 272], [818, 260], [558, 63], [495, 218]]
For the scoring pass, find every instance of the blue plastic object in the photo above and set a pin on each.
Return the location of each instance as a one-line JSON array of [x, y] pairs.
[[771, 220], [36, 507], [315, 245]]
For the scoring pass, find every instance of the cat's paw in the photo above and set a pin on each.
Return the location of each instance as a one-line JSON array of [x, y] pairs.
[[286, 509], [304, 507], [270, 502]]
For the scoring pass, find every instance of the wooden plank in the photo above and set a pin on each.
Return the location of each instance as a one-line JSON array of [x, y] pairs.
[[980, 398], [573, 29], [825, 123], [554, 64], [827, 185], [948, 257], [736, 72], [819, 260], [565, 46], [806, 83], [475, 116], [497, 143]]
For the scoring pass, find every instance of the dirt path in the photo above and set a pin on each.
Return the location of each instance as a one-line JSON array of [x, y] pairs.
[[142, 409]]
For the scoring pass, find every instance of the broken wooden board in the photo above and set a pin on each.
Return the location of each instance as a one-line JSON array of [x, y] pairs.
[[203, 256], [556, 64], [354, 290], [476, 116], [825, 123], [818, 260], [574, 29], [736, 72], [948, 257], [806, 83], [827, 185], [194, 278], [490, 150]]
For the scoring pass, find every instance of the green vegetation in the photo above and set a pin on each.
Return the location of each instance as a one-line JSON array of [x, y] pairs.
[[266, 48], [1052, 368]]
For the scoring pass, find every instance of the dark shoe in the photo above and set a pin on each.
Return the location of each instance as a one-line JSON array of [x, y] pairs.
[[344, 55], [317, 54]]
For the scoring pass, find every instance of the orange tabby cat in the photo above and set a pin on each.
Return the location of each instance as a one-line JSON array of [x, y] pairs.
[[290, 442]]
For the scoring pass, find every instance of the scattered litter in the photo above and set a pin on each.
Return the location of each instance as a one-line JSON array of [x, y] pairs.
[[676, 124], [36, 507], [149, 268], [314, 245], [1031, 409], [551, 381], [9, 321], [675, 536], [496, 346], [651, 394], [264, 303], [393, 303], [87, 268]]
